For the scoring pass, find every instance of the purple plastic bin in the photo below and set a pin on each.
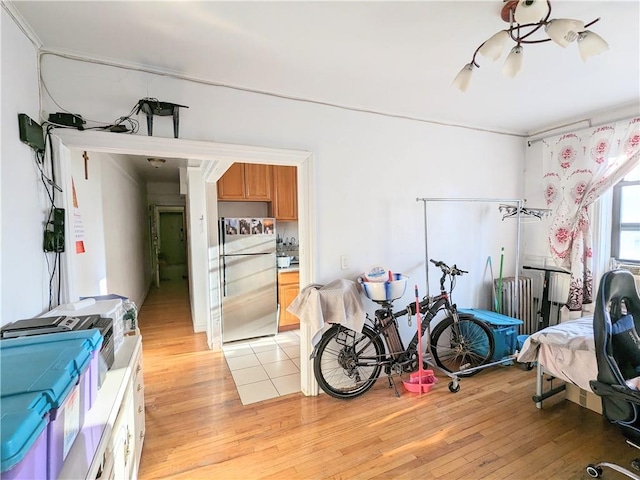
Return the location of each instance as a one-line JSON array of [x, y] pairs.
[[64, 425], [33, 465], [23, 436], [90, 392], [63, 368]]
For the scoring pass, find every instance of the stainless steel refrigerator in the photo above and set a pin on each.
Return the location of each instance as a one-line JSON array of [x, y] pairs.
[[249, 285]]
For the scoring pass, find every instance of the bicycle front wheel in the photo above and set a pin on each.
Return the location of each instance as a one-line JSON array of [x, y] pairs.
[[459, 346], [347, 363]]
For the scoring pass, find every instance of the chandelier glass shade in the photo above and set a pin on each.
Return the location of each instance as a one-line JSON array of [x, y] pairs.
[[156, 162], [526, 18]]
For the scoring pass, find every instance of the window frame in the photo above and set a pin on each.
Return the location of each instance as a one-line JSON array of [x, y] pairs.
[[616, 225]]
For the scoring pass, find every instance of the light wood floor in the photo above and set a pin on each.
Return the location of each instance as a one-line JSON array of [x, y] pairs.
[[197, 427]]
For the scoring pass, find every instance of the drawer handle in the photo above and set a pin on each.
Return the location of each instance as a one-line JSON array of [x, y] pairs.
[[138, 368], [141, 435], [140, 409], [139, 387]]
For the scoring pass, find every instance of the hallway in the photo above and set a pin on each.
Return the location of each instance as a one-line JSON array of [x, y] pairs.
[[185, 382]]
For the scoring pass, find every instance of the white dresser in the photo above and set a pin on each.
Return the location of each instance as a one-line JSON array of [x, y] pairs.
[[110, 443]]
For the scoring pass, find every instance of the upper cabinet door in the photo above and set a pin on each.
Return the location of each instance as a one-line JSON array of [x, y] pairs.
[[257, 182], [285, 193], [232, 184]]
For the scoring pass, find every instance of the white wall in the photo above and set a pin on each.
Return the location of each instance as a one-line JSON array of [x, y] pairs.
[[113, 208], [198, 244], [90, 267], [126, 228], [369, 169], [213, 336], [165, 194], [24, 288]]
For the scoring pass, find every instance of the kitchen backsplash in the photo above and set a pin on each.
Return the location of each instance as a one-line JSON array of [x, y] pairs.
[[287, 238], [243, 209]]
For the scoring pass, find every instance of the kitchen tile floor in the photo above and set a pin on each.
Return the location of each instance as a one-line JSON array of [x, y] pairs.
[[264, 368]]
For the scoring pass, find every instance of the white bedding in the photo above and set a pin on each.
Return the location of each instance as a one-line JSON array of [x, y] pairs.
[[566, 351]]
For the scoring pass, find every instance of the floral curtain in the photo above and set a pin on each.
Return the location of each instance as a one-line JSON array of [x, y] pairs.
[[578, 168]]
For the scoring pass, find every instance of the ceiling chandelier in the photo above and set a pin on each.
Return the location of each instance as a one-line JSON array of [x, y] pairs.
[[526, 17]]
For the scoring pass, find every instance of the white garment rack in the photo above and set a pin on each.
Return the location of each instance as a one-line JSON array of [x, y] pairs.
[[518, 203]]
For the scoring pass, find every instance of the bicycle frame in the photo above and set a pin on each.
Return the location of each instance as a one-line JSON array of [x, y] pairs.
[[386, 325]]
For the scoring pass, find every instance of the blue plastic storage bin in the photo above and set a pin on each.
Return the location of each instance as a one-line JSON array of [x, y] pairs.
[[59, 367], [504, 329], [23, 436]]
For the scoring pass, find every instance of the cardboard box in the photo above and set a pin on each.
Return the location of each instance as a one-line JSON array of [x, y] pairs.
[[583, 398]]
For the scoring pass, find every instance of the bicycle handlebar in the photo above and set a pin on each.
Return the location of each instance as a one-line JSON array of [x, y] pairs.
[[446, 269], [427, 301]]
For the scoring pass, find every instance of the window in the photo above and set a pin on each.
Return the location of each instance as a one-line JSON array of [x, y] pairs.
[[625, 231]]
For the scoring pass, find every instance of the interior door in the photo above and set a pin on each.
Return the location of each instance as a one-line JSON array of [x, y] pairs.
[[154, 219], [173, 251]]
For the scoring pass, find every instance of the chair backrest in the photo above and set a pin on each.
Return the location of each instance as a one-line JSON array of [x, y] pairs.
[[617, 301]]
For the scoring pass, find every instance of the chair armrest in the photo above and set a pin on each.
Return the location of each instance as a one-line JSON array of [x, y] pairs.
[[616, 391]]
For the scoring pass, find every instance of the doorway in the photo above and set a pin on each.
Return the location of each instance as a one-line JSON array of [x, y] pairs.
[[168, 244], [206, 163]]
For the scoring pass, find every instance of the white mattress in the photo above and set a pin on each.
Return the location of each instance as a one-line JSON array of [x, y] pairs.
[[574, 366], [566, 351]]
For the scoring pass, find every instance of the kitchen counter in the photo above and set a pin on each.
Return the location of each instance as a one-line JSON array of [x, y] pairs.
[[292, 268], [288, 289]]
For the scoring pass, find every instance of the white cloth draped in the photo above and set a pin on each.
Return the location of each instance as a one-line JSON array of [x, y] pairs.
[[337, 302]]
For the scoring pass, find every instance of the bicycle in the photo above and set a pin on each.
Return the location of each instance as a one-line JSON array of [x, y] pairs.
[[348, 363]]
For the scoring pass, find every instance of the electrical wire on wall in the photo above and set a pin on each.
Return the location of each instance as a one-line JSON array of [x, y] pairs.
[[123, 124], [54, 223], [50, 188]]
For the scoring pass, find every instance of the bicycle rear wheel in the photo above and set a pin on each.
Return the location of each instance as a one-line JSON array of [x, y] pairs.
[[467, 344], [347, 363]]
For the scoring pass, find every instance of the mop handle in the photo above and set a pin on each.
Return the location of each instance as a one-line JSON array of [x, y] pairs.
[[500, 282], [419, 322]]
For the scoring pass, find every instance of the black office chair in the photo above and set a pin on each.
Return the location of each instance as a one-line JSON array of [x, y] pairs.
[[616, 323]]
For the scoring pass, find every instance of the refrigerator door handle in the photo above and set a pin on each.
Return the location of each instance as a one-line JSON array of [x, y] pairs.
[[224, 277]]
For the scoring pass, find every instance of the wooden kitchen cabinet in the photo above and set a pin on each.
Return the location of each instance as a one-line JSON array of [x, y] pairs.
[[285, 193], [288, 289], [246, 182], [231, 185], [257, 181]]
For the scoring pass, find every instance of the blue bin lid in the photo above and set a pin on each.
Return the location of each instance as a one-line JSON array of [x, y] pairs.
[[50, 363], [23, 419], [493, 318]]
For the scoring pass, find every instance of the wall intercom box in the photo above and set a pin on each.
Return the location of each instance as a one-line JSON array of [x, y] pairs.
[[54, 232]]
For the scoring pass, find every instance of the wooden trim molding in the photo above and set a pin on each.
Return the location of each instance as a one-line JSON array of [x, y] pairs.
[[213, 159]]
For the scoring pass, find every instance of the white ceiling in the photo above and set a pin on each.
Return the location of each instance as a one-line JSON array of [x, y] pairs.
[[169, 172], [392, 57]]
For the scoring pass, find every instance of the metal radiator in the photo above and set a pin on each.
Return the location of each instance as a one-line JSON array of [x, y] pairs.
[[516, 301]]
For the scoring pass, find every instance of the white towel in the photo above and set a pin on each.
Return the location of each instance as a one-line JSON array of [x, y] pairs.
[[337, 302], [80, 304]]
